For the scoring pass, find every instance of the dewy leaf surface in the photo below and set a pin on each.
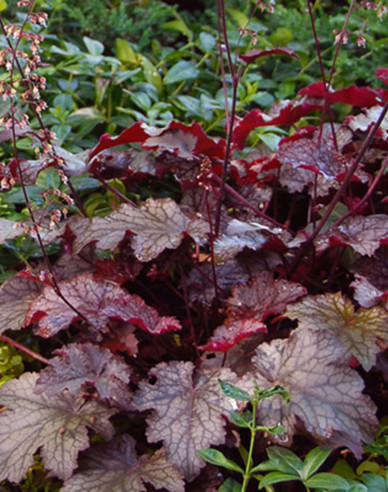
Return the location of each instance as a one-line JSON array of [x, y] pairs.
[[58, 425], [326, 395], [115, 467], [87, 363], [85, 293], [187, 411], [363, 234], [356, 331], [157, 225], [16, 294]]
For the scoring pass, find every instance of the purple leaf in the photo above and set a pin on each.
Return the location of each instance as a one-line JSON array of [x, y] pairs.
[[16, 294], [86, 294], [187, 411], [133, 309], [248, 307], [326, 395], [363, 234], [114, 466], [157, 225], [58, 425], [80, 364], [252, 55]]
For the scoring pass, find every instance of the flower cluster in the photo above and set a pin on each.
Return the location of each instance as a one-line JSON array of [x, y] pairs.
[[269, 6]]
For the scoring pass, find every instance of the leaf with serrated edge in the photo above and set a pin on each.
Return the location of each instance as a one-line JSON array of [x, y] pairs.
[[86, 363], [133, 309], [187, 413], [58, 425], [263, 296], [113, 466], [325, 394], [15, 296], [248, 307], [363, 234], [86, 294], [157, 225], [357, 331]]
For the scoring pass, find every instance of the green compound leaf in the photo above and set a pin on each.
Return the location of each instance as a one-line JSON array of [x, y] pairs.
[[57, 425]]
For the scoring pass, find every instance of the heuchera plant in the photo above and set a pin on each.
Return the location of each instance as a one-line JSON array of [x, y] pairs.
[[248, 268]]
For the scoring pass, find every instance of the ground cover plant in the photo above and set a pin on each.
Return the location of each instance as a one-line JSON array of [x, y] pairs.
[[197, 299]]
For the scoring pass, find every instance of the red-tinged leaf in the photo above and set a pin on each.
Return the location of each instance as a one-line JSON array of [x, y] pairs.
[[118, 271], [187, 411], [283, 113], [366, 119], [157, 225], [248, 307], [355, 96], [356, 331], [363, 234], [252, 55], [86, 294], [58, 425], [326, 395], [231, 333], [185, 141], [382, 74], [121, 338], [112, 165], [135, 133], [263, 296], [133, 309], [114, 466], [319, 157], [16, 294], [86, 364]]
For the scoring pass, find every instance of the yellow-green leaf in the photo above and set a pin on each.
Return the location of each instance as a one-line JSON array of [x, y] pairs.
[[125, 52], [151, 73], [180, 26], [356, 331]]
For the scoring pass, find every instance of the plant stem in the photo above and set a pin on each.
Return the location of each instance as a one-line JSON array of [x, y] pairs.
[[341, 190], [24, 349], [248, 466]]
